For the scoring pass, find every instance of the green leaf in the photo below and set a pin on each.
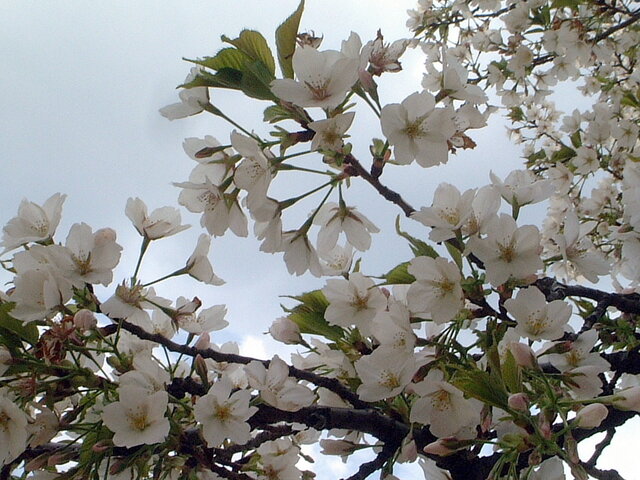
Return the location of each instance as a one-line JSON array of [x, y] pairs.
[[482, 386], [275, 113], [576, 141], [309, 316], [399, 275], [286, 35], [225, 78], [456, 255], [13, 331], [255, 46], [565, 153], [511, 373], [566, 3], [418, 247], [226, 58], [256, 81]]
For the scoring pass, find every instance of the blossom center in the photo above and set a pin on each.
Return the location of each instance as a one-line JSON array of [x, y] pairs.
[[414, 129]]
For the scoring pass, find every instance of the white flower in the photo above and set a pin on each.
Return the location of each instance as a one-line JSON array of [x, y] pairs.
[[521, 187], [276, 387], [13, 430], [254, 173], [508, 251], [443, 407], [536, 319], [334, 219], [207, 320], [323, 78], [551, 469], [162, 222], [94, 254], [579, 256], [286, 331], [353, 302], [337, 261], [192, 100], [198, 265], [34, 223], [224, 414], [137, 418], [329, 132], [200, 195], [417, 130], [437, 288], [448, 213], [579, 354], [392, 327], [384, 373], [39, 294], [484, 207], [383, 57], [299, 254]]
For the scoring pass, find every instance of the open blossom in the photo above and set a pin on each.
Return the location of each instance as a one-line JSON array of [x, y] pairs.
[[448, 213], [334, 219], [437, 288], [522, 187], [579, 354], [384, 373], [329, 132], [192, 100], [383, 57], [254, 173], [443, 407], [39, 294], [137, 418], [200, 195], [536, 319], [417, 130], [205, 321], [508, 251], [276, 387], [323, 78], [223, 414], [198, 264], [162, 222], [34, 223], [13, 430], [95, 255], [353, 302], [299, 254]]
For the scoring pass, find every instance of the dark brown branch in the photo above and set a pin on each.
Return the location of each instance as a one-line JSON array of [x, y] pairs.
[[606, 441], [328, 383], [554, 290], [634, 18], [391, 195], [602, 474]]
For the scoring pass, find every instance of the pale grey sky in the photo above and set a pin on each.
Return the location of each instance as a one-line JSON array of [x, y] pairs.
[[81, 86]]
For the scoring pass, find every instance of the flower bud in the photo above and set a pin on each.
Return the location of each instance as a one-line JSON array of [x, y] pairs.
[[337, 447], [85, 320], [591, 416], [286, 331], [522, 354], [441, 447], [630, 399], [519, 402], [204, 341]]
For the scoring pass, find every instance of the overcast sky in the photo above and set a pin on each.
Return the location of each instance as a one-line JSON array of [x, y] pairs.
[[81, 86]]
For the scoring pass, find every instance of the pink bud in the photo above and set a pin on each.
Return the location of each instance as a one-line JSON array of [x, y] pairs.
[[630, 399], [286, 331], [204, 341], [591, 416], [519, 401], [438, 448], [522, 354], [337, 447], [84, 320]]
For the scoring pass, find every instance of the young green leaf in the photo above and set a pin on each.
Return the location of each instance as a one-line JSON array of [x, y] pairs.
[[286, 40]]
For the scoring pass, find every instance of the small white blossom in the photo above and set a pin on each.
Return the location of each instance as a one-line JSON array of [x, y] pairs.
[[536, 319]]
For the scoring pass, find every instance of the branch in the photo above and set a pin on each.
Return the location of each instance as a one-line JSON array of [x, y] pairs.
[[328, 383], [387, 193]]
